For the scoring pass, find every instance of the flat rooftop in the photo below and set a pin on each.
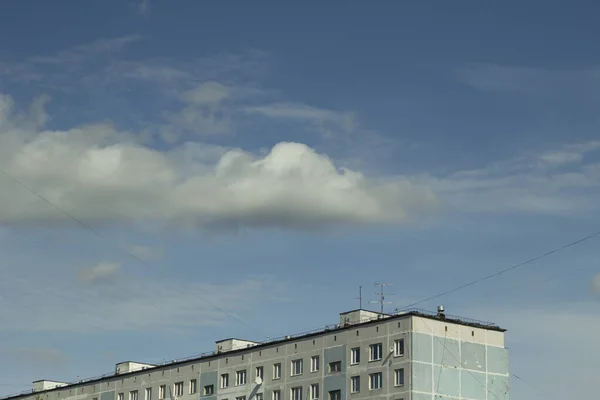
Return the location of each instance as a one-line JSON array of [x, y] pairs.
[[280, 340]]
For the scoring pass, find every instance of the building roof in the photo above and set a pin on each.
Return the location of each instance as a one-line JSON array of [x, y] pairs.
[[288, 338]]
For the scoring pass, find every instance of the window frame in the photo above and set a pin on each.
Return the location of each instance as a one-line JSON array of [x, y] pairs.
[[375, 377], [399, 347], [373, 350], [355, 383], [297, 365]]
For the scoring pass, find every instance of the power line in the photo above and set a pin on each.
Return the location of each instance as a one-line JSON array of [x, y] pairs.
[[533, 386], [456, 289], [124, 250]]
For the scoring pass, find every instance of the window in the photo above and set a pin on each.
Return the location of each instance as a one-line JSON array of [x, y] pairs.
[[260, 372], [376, 351], [209, 390], [240, 398], [258, 396], [224, 381], [178, 389], [335, 395], [148, 394], [314, 391], [194, 386], [355, 356], [399, 347], [335, 366], [240, 377], [296, 393], [121, 396], [161, 392], [375, 381], [399, 377], [133, 395], [314, 363], [355, 384], [276, 395], [296, 367], [276, 371]]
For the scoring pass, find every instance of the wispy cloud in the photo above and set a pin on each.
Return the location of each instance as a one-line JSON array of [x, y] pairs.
[[529, 80], [596, 284], [563, 180], [35, 355], [132, 304], [143, 7], [145, 253], [101, 273]]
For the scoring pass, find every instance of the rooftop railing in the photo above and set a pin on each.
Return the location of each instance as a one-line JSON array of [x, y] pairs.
[[412, 311]]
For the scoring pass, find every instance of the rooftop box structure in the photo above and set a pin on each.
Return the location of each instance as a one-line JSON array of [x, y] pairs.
[[131, 366], [233, 344], [42, 385]]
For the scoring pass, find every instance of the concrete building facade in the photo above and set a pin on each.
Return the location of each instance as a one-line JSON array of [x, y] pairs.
[[410, 355]]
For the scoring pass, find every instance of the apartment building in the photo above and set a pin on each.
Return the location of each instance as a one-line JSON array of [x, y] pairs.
[[411, 355]]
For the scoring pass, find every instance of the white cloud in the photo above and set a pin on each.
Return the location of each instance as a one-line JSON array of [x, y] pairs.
[[101, 273], [99, 174]]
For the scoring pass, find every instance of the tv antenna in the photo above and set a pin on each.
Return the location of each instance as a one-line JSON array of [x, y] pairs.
[[381, 294]]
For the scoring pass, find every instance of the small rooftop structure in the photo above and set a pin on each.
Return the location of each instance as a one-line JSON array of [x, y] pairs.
[[131, 366], [357, 317], [41, 385], [233, 344]]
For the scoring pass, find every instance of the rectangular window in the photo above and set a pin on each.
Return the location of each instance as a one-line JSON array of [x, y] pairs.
[[297, 367], [148, 393], [355, 384], [194, 386], [276, 371], [276, 395], [133, 395], [258, 396], [375, 381], [399, 347], [178, 389], [209, 390], [260, 372], [375, 352], [224, 381], [335, 395], [314, 391], [240, 398], [399, 377], [335, 366], [161, 392], [240, 377], [314, 363], [296, 393], [120, 396], [355, 356]]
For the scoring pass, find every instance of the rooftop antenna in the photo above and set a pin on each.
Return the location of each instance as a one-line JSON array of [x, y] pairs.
[[382, 295], [359, 298]]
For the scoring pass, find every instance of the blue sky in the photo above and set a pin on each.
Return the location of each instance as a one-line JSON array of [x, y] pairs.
[[272, 158]]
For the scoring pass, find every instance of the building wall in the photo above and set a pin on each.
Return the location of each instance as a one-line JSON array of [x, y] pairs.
[[457, 362], [429, 367]]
